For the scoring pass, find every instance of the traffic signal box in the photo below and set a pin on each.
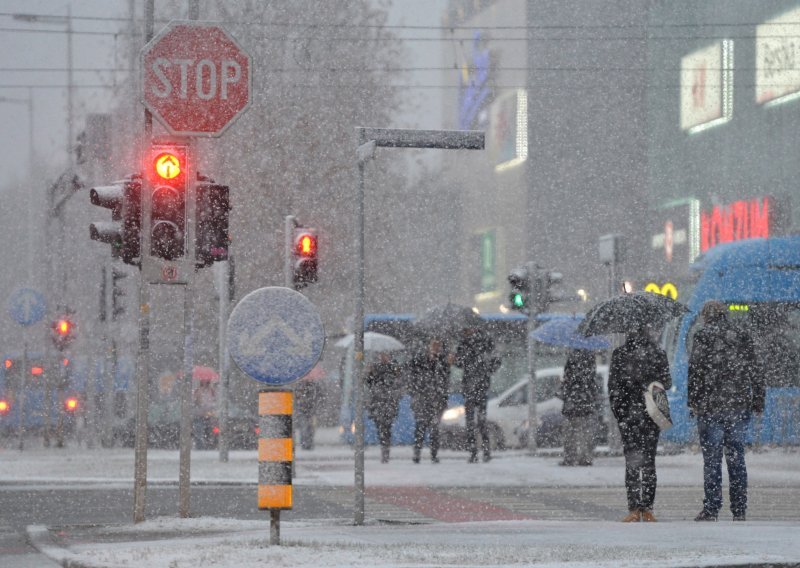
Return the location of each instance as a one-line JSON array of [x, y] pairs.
[[304, 253], [122, 232], [63, 332], [212, 214], [520, 296], [168, 176]]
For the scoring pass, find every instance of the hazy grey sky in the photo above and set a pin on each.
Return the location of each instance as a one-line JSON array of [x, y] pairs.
[[41, 45]]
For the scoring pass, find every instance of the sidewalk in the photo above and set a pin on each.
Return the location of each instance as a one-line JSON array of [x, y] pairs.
[[179, 543], [170, 542]]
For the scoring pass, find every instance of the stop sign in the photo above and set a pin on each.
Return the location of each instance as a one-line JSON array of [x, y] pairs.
[[196, 79]]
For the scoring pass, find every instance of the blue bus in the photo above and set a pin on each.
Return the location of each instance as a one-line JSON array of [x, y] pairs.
[[759, 280]]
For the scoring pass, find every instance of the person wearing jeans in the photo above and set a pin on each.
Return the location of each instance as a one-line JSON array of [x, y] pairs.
[[725, 389], [717, 433]]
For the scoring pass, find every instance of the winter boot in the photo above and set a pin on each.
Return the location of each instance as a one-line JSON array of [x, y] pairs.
[[705, 516], [473, 458], [648, 516], [634, 516]]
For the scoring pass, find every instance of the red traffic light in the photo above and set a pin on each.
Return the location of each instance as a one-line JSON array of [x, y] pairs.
[[168, 165], [71, 404], [36, 370], [63, 326], [5, 406], [306, 245], [8, 363]]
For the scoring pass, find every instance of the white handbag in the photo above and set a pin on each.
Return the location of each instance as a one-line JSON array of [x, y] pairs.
[[657, 405]]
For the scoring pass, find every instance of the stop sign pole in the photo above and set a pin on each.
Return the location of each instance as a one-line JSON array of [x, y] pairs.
[[196, 81]]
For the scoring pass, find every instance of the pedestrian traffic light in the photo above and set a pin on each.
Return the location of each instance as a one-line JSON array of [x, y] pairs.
[[63, 332], [167, 172], [519, 297], [212, 214], [304, 252], [123, 231]]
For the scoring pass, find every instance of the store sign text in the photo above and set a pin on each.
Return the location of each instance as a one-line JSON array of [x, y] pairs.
[[734, 222]]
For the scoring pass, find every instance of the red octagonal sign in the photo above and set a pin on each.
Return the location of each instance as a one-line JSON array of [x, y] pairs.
[[196, 79]]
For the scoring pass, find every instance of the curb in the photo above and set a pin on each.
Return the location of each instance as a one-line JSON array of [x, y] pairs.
[[41, 539]]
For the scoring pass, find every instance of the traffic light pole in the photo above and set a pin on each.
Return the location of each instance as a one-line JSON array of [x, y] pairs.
[[368, 139], [531, 356], [143, 355]]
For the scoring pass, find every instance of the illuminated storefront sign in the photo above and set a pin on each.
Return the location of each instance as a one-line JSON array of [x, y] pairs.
[[777, 57], [667, 289], [508, 130], [678, 241], [736, 221], [707, 87]]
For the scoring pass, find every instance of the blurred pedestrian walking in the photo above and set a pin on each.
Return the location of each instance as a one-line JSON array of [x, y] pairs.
[[383, 397], [634, 365], [475, 355], [307, 394], [581, 394], [725, 389], [429, 387]]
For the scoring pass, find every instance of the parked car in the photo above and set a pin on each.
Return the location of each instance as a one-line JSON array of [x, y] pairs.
[[507, 414]]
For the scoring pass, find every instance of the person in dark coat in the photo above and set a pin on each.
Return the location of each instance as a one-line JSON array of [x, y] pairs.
[[429, 387], [580, 393], [475, 355], [307, 394], [725, 388], [634, 365], [383, 397]]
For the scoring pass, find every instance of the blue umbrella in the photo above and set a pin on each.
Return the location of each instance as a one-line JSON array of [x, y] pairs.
[[563, 333]]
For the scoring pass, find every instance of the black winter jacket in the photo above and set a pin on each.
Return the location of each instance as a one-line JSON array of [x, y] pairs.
[[723, 371], [634, 365], [475, 355], [579, 389]]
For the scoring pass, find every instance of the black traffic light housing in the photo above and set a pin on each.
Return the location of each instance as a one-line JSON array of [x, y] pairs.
[[519, 298], [212, 213], [304, 254], [123, 232], [168, 173], [63, 330]]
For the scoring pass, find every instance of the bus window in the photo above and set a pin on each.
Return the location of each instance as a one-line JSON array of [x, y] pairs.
[[775, 328]]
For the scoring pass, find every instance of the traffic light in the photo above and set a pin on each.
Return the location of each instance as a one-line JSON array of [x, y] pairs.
[[520, 296], [71, 404], [123, 231], [543, 290], [304, 253], [5, 406], [212, 214], [63, 332], [167, 171]]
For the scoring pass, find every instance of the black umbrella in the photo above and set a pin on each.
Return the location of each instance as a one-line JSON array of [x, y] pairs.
[[628, 312], [448, 320]]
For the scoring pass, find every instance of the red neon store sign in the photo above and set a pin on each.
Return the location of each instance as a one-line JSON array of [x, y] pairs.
[[734, 222]]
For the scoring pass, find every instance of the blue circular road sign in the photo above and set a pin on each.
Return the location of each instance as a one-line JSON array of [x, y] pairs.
[[26, 306], [275, 335]]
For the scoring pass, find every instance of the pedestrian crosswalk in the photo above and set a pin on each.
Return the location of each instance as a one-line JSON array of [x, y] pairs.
[[454, 504]]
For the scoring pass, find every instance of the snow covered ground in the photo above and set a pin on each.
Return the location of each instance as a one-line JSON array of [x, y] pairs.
[[172, 542]]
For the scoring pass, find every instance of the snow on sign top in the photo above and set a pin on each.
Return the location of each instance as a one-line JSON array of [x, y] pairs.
[[275, 335], [196, 79]]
